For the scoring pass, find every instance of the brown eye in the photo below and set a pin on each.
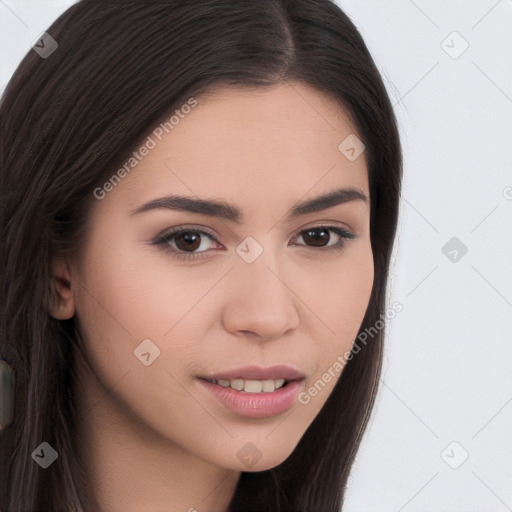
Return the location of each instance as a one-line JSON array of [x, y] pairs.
[[184, 243], [317, 237], [320, 237], [187, 240]]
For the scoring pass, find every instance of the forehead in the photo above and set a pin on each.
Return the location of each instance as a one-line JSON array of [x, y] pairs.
[[273, 142], [271, 120]]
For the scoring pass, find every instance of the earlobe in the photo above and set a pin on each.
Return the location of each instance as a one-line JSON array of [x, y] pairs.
[[63, 311], [63, 306]]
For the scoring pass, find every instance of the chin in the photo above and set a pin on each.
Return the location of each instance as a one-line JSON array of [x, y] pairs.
[[251, 459]]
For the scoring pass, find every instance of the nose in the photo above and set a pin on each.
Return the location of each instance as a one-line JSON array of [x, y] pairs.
[[261, 302]]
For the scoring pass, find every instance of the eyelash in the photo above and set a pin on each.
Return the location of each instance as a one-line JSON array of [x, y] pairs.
[[164, 239]]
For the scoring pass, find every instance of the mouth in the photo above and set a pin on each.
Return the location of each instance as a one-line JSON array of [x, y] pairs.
[[256, 392]]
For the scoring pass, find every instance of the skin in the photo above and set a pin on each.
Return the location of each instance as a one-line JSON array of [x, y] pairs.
[[152, 438]]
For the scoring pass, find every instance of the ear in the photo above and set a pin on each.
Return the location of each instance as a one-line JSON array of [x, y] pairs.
[[63, 306]]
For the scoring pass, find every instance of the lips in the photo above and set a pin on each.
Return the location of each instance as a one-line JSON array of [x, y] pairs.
[[280, 371], [254, 391]]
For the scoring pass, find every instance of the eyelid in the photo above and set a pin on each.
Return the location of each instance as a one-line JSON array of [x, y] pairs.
[[166, 233], [325, 224]]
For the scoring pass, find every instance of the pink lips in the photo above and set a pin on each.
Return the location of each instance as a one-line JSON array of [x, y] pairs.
[[257, 405], [280, 371]]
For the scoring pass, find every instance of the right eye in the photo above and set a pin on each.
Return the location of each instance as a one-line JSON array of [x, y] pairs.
[[181, 242]]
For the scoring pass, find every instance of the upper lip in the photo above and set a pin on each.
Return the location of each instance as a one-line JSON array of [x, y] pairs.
[[279, 371]]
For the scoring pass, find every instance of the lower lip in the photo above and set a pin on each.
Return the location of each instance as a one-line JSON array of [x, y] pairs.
[[255, 405]]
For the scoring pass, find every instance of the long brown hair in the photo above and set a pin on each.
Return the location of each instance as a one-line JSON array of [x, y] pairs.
[[68, 119]]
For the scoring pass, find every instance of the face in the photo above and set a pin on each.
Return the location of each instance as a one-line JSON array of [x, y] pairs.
[[247, 294]]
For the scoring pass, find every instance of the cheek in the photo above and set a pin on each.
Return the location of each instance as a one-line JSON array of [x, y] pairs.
[[114, 307], [133, 295], [118, 308], [339, 298], [338, 295], [125, 291]]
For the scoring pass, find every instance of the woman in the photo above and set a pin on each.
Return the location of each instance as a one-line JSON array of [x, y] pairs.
[[199, 203]]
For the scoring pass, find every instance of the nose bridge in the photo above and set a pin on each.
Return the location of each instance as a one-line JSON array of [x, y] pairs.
[[260, 299]]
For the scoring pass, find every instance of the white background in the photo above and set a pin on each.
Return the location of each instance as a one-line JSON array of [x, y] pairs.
[[447, 379]]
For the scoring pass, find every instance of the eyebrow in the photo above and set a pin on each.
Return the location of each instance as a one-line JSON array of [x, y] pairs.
[[233, 213]]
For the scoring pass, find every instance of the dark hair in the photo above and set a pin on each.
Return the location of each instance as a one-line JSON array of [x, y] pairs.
[[67, 120]]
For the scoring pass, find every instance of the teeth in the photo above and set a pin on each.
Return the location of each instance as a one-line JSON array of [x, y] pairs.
[[250, 385], [267, 386], [237, 384], [253, 386]]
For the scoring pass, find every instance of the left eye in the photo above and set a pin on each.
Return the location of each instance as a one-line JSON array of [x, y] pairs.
[[182, 243], [318, 235]]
